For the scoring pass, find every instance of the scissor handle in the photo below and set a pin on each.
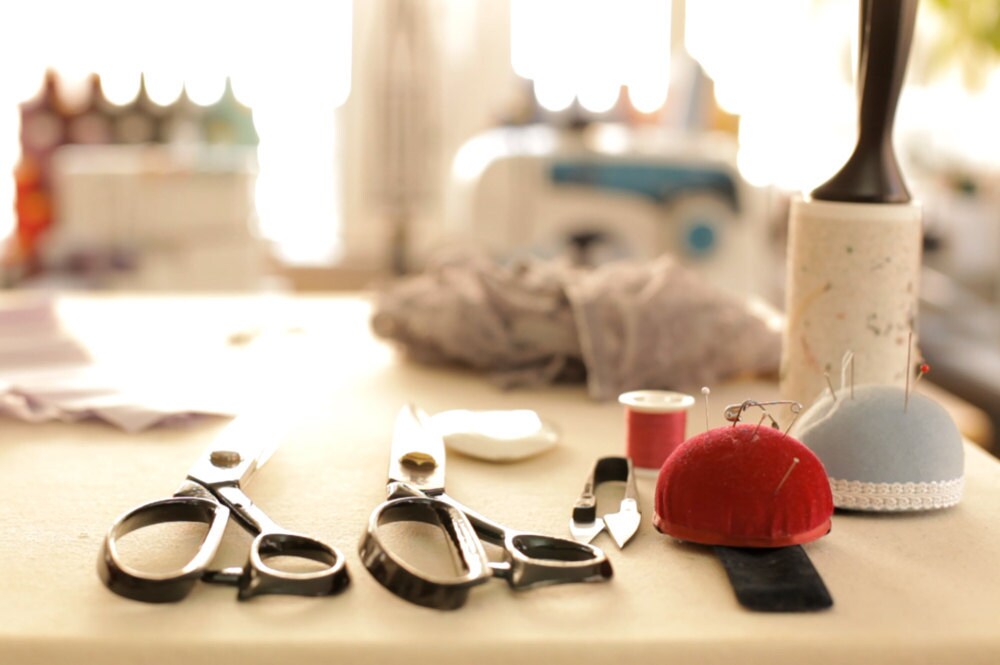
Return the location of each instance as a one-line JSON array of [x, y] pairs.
[[405, 580], [606, 469], [585, 508], [536, 560], [532, 559], [161, 586], [258, 577]]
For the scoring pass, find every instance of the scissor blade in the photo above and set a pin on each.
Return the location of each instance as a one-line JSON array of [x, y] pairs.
[[417, 455], [623, 524], [584, 532], [242, 447]]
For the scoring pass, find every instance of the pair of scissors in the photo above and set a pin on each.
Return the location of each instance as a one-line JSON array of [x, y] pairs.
[[416, 494], [585, 525], [211, 494]]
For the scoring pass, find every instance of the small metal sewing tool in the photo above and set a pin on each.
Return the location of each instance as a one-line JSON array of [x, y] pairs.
[[416, 494], [211, 494], [585, 525]]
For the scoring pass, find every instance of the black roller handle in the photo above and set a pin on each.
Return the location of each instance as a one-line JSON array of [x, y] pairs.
[[872, 174]]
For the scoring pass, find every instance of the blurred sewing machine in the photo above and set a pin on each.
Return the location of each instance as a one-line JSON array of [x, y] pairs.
[[610, 192]]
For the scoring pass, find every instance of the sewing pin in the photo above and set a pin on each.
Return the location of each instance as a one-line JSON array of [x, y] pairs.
[[924, 368], [829, 384], [847, 366], [796, 409], [852, 375], [706, 392], [759, 423], [795, 461], [909, 349]]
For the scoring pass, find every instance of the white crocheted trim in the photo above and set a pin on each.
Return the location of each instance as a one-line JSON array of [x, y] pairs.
[[896, 496]]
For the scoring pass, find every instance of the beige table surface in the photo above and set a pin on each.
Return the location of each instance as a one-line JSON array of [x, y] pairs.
[[908, 588]]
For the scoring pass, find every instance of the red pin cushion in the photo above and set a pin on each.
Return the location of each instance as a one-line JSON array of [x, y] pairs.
[[730, 486]]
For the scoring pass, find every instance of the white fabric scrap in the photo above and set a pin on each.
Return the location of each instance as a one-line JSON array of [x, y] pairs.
[[630, 325], [47, 375]]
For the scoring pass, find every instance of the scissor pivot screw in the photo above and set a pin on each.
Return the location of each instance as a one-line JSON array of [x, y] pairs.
[[225, 459], [416, 459]]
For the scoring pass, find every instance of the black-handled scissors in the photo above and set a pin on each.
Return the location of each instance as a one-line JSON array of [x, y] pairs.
[[211, 494], [416, 494]]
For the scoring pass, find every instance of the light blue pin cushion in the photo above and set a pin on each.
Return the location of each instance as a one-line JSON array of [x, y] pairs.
[[884, 452]]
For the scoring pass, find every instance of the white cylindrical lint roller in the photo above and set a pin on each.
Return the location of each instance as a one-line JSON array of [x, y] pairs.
[[852, 285]]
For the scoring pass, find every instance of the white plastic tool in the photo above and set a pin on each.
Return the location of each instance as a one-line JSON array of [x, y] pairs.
[[496, 436]]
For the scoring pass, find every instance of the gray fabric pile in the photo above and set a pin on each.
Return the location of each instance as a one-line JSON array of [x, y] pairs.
[[628, 325]]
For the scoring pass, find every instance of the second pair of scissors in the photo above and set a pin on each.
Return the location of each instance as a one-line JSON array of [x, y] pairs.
[[416, 494]]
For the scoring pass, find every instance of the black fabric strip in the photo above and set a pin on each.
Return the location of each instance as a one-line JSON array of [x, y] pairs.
[[782, 579]]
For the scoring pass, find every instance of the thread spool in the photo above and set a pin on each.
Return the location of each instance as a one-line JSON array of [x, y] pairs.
[[655, 423]]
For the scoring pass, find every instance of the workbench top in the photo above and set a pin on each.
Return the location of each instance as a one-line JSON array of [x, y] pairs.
[[911, 588]]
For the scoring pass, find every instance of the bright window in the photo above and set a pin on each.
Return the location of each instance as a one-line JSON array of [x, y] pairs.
[[289, 61], [587, 50]]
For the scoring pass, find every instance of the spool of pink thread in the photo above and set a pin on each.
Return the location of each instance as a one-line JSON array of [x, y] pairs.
[[655, 422]]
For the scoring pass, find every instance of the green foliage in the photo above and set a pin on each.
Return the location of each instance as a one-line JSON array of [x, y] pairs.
[[970, 35]]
